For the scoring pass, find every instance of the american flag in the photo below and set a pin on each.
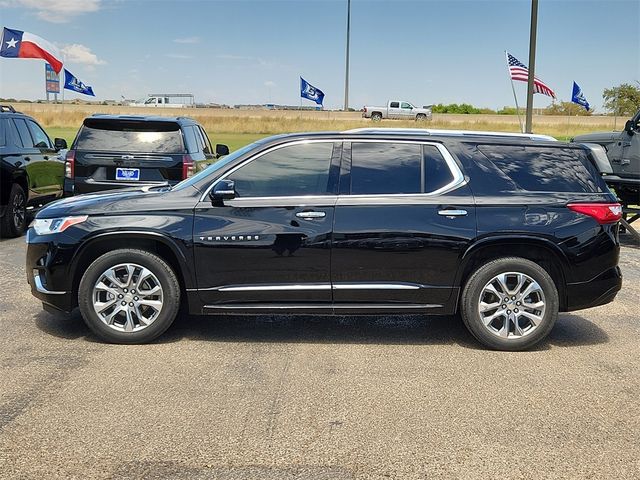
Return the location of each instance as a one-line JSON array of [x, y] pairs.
[[519, 71]]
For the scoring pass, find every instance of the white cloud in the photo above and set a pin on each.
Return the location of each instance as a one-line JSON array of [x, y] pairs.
[[179, 55], [187, 40], [56, 11], [76, 53]]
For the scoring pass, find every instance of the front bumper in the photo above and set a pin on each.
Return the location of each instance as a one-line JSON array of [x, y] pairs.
[[599, 290], [48, 274]]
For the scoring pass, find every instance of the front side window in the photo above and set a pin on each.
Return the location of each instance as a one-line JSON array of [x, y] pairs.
[[294, 170], [40, 138], [406, 105]]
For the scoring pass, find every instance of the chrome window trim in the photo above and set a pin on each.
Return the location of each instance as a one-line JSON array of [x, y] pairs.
[[327, 306], [457, 182]]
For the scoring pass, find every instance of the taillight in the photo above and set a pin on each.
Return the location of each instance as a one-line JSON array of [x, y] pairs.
[[188, 167], [70, 164], [602, 212]]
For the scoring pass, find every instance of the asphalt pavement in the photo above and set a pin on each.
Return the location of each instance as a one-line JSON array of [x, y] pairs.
[[317, 398]]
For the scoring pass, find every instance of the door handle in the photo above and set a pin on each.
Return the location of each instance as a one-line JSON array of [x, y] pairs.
[[452, 213], [27, 159], [310, 215]]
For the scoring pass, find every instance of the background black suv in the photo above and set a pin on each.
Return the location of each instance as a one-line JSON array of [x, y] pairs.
[[118, 151], [31, 173], [504, 229]]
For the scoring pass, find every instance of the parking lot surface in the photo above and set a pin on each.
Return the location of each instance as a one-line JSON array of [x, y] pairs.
[[317, 397]]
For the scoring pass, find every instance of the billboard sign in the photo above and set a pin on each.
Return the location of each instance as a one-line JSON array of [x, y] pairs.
[[52, 79]]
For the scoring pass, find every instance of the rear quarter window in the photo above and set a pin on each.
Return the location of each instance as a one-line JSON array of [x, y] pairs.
[[544, 169]]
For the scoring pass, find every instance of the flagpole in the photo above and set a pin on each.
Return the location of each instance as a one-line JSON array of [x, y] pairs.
[[514, 92]]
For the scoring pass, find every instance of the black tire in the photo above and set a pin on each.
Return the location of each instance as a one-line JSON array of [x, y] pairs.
[[421, 117], [376, 117], [474, 288], [158, 267], [14, 220]]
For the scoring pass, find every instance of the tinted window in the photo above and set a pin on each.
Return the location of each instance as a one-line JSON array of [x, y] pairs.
[[394, 104], [436, 171], [546, 169], [23, 132], [288, 171], [151, 137], [41, 140], [4, 131], [206, 145], [379, 168], [405, 105], [190, 139]]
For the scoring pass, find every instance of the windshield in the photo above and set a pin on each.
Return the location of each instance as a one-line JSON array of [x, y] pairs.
[[214, 167]]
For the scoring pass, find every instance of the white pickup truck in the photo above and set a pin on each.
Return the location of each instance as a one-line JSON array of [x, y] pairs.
[[398, 110]]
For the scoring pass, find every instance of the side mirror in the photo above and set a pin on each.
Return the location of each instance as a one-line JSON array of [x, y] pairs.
[[224, 190], [629, 127], [221, 150], [60, 143]]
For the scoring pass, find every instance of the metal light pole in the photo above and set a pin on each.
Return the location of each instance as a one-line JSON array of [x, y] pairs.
[[532, 64], [346, 68]]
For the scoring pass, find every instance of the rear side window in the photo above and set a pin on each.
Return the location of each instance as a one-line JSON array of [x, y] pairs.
[[437, 173], [385, 168], [544, 169], [23, 132], [149, 137], [394, 104], [396, 168]]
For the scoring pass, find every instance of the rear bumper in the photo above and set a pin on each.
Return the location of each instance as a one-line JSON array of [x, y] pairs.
[[80, 186], [599, 290]]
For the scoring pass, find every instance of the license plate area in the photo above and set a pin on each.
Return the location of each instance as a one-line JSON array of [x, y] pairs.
[[128, 174]]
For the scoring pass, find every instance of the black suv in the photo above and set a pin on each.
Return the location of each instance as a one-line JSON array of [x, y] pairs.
[[31, 173], [507, 230], [118, 151]]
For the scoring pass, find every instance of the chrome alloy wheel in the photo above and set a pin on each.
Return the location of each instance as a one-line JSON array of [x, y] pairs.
[[512, 305], [19, 210], [127, 297]]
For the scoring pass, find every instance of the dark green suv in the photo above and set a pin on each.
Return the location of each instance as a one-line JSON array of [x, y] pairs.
[[31, 170]]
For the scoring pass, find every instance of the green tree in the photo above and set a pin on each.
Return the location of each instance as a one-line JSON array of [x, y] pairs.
[[622, 100], [565, 108]]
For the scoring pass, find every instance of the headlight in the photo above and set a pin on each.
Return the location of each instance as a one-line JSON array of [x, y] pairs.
[[44, 226]]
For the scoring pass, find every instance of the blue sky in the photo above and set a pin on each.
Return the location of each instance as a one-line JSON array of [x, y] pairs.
[[254, 51]]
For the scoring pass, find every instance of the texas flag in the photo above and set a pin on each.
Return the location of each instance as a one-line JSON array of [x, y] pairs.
[[19, 44]]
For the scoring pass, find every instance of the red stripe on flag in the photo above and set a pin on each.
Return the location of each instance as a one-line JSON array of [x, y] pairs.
[[31, 50]]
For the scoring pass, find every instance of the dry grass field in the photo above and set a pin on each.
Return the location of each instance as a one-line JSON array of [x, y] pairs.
[[238, 127]]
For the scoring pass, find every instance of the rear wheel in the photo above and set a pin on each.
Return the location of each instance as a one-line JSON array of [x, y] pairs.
[[129, 296], [376, 116], [14, 219], [510, 304]]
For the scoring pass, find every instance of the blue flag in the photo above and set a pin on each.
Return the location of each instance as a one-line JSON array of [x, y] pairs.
[[72, 83], [310, 92], [578, 97]]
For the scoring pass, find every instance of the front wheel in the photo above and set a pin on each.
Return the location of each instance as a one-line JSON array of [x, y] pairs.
[[14, 220], [421, 117], [129, 296], [510, 304]]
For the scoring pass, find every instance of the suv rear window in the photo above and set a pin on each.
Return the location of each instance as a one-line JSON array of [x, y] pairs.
[[544, 169], [130, 136]]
